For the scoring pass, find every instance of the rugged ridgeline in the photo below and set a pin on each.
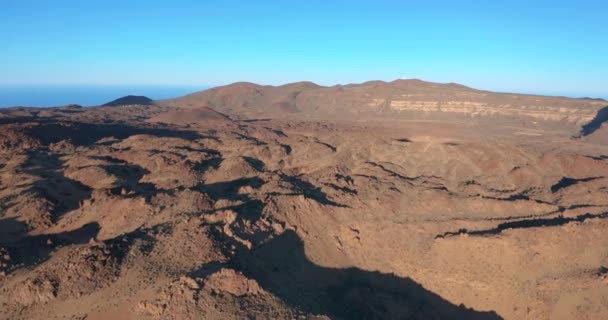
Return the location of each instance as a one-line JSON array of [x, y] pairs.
[[411, 99]]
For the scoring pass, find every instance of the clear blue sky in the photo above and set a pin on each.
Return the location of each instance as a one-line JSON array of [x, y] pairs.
[[552, 47]]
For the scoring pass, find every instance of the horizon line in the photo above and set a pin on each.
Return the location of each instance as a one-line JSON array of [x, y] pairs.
[[204, 87]]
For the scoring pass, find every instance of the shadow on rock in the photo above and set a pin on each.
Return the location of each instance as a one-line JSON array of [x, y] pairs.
[[246, 207], [281, 267], [29, 250], [65, 194], [229, 190], [310, 191], [82, 134], [129, 176], [596, 123]]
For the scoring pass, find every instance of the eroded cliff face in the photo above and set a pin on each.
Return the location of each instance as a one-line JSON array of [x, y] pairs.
[[575, 114]]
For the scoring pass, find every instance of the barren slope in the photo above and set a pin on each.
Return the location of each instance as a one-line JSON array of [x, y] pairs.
[[408, 99], [157, 212]]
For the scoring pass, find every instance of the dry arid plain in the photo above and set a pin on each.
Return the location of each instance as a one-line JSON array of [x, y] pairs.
[[382, 200]]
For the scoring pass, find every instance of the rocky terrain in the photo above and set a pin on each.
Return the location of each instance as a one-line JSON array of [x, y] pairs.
[[401, 200]]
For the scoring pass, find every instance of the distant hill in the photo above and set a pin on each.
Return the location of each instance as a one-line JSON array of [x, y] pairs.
[[130, 100], [404, 98]]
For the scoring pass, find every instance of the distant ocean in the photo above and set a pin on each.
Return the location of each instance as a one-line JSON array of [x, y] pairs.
[[51, 96]]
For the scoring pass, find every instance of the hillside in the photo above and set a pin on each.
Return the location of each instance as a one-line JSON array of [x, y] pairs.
[[405, 99], [129, 100]]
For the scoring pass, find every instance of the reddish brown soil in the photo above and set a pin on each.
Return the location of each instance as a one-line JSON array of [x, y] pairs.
[[161, 212]]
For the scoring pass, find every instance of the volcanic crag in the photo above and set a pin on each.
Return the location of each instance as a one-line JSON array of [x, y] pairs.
[[400, 200]]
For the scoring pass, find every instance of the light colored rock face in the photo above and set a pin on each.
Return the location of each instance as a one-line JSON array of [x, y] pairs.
[[232, 282], [574, 114]]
